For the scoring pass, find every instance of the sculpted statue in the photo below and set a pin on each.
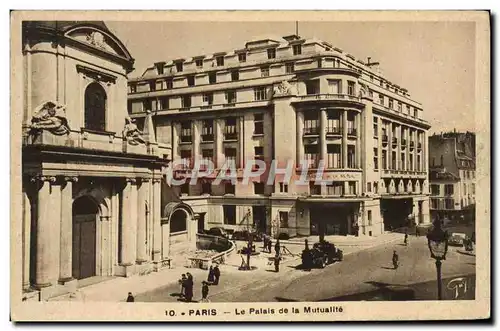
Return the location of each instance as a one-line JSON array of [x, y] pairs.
[[131, 133], [284, 88], [52, 117]]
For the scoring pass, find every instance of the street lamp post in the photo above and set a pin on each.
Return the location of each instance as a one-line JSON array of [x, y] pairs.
[[437, 240]]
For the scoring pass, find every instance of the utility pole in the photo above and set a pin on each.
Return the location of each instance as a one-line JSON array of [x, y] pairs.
[[296, 28]]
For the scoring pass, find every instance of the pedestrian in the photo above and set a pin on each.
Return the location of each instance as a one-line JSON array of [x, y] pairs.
[[406, 239], [395, 260], [269, 245], [216, 275], [277, 259], [130, 297], [265, 242], [188, 288], [211, 275], [204, 292], [277, 247], [182, 282]]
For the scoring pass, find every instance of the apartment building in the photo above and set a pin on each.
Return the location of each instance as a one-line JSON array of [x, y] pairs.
[[291, 98], [452, 157]]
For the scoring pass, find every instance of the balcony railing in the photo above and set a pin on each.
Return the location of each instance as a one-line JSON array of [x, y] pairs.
[[419, 146], [311, 130], [351, 132], [186, 139], [394, 141], [403, 143], [207, 137], [385, 138], [231, 136], [412, 145], [334, 130], [328, 96]]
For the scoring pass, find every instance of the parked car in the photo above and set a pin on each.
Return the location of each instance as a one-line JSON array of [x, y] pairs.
[[217, 231], [243, 235], [322, 254], [457, 239]]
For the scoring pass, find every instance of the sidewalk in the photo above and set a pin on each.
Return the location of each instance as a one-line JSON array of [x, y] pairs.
[[116, 289]]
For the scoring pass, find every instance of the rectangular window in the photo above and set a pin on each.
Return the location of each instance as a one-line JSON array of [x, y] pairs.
[[368, 187], [473, 188], [391, 103], [230, 132], [400, 106], [259, 152], [375, 128], [448, 189], [264, 71], [186, 136], [283, 188], [235, 75], [350, 88], [190, 80], [147, 104], [381, 99], [207, 130], [186, 159], [260, 93], [133, 88], [185, 101], [258, 120], [415, 112], [297, 49], [208, 98], [334, 156], [242, 57], [351, 156], [375, 187], [206, 188], [311, 155], [289, 68], [335, 188], [164, 103], [352, 188], [258, 188], [369, 217], [384, 159], [199, 63], [314, 189], [271, 53], [393, 161], [434, 189], [229, 214], [333, 122], [334, 86], [375, 158], [410, 162], [212, 78], [408, 109], [402, 163], [312, 87], [207, 156], [179, 66], [152, 85], [449, 203], [169, 83], [220, 61], [231, 97], [311, 123], [283, 215], [230, 156]]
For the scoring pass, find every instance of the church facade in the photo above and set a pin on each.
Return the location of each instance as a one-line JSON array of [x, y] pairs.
[[91, 181]]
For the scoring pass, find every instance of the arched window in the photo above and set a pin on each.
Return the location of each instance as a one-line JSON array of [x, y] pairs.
[[95, 107], [178, 221]]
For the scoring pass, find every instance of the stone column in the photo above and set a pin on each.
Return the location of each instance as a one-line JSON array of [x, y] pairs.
[[241, 142], [175, 141], [322, 136], [65, 254], [26, 236], [389, 145], [344, 139], [425, 152], [300, 140], [219, 152], [129, 223], [141, 221], [46, 265], [358, 151], [157, 236], [196, 151]]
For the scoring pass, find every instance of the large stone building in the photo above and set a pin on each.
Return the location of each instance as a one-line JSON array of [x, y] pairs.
[[452, 162], [92, 182], [293, 99]]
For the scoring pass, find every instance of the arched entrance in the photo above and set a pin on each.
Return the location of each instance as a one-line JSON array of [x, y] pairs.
[[178, 221], [85, 211]]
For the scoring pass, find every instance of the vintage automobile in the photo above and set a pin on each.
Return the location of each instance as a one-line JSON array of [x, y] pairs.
[[457, 239], [216, 231], [320, 255]]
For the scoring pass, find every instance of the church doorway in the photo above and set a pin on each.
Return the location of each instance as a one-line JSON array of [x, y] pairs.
[[85, 212]]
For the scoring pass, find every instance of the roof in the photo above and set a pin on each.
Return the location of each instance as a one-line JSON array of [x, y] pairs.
[[63, 26]]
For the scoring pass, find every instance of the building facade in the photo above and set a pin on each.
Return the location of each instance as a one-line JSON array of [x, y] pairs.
[[92, 182], [299, 100], [452, 158]]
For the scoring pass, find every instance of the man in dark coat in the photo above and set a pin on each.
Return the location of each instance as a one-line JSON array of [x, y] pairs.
[[269, 244], [216, 275], [277, 247], [204, 291], [130, 297], [211, 275], [189, 282], [277, 263]]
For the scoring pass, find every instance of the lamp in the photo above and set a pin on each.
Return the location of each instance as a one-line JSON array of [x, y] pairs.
[[437, 241]]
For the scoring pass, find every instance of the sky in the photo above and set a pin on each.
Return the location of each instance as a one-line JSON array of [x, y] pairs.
[[435, 61]]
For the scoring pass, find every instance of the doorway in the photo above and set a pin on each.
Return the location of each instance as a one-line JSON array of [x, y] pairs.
[[85, 212], [201, 223], [259, 218]]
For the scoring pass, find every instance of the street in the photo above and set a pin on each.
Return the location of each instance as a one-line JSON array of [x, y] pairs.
[[361, 272]]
